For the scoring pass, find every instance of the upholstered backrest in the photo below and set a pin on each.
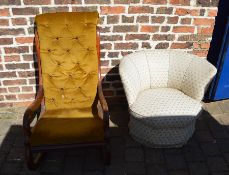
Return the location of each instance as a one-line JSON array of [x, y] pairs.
[[165, 68], [69, 61]]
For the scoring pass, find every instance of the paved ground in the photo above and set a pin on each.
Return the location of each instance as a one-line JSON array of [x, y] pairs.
[[207, 152]]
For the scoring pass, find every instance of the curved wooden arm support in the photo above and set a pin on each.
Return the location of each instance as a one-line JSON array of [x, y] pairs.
[[104, 106], [29, 115], [31, 112]]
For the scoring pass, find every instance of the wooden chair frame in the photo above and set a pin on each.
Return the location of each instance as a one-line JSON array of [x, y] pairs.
[[35, 108]]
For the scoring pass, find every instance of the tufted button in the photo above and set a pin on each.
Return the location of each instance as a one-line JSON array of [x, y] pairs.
[[57, 38], [52, 99], [76, 38], [50, 76], [58, 64], [68, 50], [49, 50]]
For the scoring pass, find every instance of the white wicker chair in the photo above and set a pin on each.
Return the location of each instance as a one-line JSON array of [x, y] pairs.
[[164, 89]]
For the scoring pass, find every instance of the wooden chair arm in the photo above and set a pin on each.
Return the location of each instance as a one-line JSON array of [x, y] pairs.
[[31, 112], [102, 98], [105, 110]]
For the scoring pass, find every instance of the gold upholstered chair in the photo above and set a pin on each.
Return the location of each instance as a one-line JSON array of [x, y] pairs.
[[75, 111]]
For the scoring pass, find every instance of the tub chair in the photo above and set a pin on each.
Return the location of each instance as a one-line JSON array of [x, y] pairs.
[[75, 111], [164, 89]]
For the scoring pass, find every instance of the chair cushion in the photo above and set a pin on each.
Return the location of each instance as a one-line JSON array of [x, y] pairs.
[[69, 60], [65, 127], [165, 107]]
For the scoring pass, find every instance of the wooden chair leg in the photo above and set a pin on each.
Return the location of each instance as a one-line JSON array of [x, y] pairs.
[[31, 160]]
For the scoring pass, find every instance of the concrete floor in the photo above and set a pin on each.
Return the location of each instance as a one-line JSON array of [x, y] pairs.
[[207, 152]]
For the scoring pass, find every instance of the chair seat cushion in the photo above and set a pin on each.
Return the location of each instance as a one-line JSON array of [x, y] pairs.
[[62, 127], [165, 107]]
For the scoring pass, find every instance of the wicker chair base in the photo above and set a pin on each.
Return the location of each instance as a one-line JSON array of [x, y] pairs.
[[160, 138]]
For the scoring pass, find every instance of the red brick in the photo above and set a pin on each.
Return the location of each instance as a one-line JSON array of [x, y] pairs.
[[164, 10], [12, 58], [25, 11], [112, 19], [137, 37], [4, 22], [195, 12], [3, 90], [183, 29], [85, 9], [26, 96], [111, 37], [4, 12], [172, 20], [203, 22], [17, 66], [125, 46], [127, 19], [26, 74], [155, 1], [10, 2], [126, 1], [180, 2], [68, 2], [14, 82], [19, 49], [142, 19], [113, 54], [157, 19], [186, 21], [206, 31], [27, 88], [108, 92], [7, 74], [10, 97], [28, 57], [212, 13], [200, 53], [37, 2], [165, 28], [196, 45], [162, 46], [181, 45], [12, 31], [112, 10], [182, 11], [106, 46], [165, 37], [147, 28], [19, 21], [23, 40], [125, 28], [97, 1], [54, 9], [205, 45], [140, 9], [146, 45], [13, 89], [6, 41]]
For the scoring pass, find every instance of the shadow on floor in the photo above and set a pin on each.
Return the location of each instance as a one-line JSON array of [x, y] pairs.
[[207, 152]]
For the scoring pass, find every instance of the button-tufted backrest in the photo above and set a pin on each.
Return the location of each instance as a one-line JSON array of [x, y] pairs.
[[69, 61]]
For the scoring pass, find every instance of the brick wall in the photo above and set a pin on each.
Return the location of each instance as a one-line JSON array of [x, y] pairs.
[[126, 26]]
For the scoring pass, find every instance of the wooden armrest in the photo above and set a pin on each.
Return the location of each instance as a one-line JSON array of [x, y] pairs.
[[104, 106], [31, 111], [102, 98]]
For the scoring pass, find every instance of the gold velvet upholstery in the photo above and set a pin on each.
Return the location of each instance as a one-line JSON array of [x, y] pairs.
[[69, 65], [62, 127], [68, 58]]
